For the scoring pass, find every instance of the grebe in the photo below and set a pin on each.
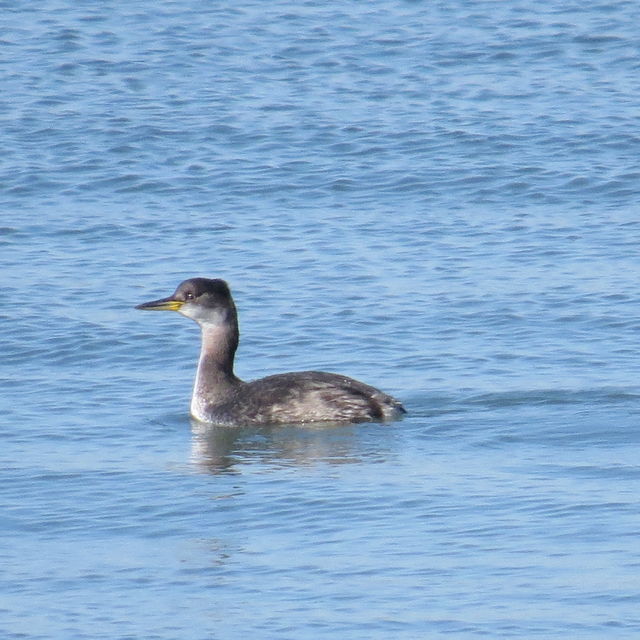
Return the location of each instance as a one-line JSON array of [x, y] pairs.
[[222, 398]]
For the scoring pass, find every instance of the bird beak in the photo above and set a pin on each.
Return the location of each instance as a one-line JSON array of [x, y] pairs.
[[165, 304]]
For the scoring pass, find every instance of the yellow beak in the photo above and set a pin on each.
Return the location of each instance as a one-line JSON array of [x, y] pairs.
[[165, 304]]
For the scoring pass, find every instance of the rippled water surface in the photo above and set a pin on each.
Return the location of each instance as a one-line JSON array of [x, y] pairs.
[[437, 198]]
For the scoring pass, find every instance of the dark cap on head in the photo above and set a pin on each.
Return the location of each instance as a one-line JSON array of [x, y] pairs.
[[193, 288], [204, 292]]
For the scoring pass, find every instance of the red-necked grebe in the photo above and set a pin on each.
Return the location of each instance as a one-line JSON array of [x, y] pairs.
[[293, 398]]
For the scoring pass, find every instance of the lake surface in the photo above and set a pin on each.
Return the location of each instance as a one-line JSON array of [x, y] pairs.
[[439, 199]]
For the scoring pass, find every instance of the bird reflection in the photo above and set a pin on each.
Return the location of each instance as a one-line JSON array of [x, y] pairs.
[[216, 449]]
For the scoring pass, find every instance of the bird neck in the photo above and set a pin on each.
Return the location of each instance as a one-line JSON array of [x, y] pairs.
[[215, 379]]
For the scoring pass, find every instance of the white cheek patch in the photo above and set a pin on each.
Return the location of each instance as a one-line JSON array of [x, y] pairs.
[[205, 315], [188, 310]]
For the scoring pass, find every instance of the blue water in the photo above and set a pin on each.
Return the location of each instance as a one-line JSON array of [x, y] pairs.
[[440, 199]]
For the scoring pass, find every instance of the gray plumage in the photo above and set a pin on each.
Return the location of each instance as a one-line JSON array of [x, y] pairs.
[[302, 397]]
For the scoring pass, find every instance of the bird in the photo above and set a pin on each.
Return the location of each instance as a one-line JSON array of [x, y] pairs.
[[220, 397]]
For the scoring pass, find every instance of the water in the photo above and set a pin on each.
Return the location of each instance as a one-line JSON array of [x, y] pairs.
[[436, 198]]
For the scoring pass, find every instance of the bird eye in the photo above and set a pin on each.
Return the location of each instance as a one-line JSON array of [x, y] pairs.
[[189, 295]]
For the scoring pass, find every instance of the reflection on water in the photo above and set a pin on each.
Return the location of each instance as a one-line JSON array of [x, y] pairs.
[[218, 449]]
